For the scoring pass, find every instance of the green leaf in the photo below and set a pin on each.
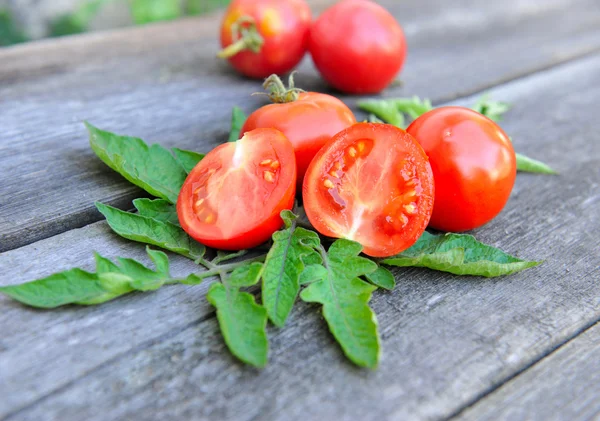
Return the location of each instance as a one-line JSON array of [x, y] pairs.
[[153, 168], [414, 107], [384, 109], [372, 118], [187, 159], [460, 254], [494, 110], [283, 267], [238, 118], [382, 278], [246, 275], [345, 300], [158, 209], [243, 323], [151, 231], [9, 32], [527, 164], [76, 286], [146, 11]]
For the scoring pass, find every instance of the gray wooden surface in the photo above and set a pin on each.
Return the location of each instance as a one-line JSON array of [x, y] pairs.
[[452, 346]]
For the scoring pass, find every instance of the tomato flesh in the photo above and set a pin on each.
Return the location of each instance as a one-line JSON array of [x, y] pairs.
[[309, 122], [474, 166], [372, 183], [232, 199]]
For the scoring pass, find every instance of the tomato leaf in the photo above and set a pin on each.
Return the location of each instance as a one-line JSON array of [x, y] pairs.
[[238, 118], [345, 300], [460, 254], [187, 159], [414, 106], [527, 164], [384, 109], [153, 168], [382, 278], [283, 267], [146, 11], [242, 321], [158, 209], [111, 280], [151, 231], [494, 110]]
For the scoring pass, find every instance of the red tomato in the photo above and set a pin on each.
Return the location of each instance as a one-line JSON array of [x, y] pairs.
[[372, 183], [309, 121], [473, 164], [357, 46], [232, 199], [261, 37]]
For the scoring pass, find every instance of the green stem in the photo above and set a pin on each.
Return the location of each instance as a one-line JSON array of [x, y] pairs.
[[245, 36], [221, 270]]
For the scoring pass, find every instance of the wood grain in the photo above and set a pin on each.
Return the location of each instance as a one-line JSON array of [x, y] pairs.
[[162, 83], [563, 386], [447, 340]]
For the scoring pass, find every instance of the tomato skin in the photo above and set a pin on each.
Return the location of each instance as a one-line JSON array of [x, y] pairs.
[[309, 122], [474, 166], [284, 26], [371, 183], [240, 205], [357, 46]]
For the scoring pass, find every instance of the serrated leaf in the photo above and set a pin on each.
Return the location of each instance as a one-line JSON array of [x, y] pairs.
[[345, 300], [384, 109], [494, 110], [76, 286], [153, 168], [151, 231], [159, 209], [283, 266], [187, 159], [382, 278], [246, 275], [527, 164], [242, 322], [460, 254], [414, 107], [238, 118]]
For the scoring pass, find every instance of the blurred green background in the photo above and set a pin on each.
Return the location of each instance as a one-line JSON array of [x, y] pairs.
[[24, 20]]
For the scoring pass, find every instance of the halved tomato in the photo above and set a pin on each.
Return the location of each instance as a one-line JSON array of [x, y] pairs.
[[372, 183], [232, 199]]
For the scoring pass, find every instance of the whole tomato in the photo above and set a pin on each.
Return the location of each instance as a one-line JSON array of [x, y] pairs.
[[357, 46], [474, 166], [307, 119], [261, 37]]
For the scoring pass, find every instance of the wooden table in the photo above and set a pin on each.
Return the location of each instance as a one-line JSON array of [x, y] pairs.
[[525, 346]]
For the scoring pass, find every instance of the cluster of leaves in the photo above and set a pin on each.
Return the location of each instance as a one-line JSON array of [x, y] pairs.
[[297, 263], [394, 111]]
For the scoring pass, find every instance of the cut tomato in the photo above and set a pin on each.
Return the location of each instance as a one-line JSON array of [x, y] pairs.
[[372, 183], [232, 199]]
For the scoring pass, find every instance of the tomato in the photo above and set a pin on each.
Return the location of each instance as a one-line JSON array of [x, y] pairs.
[[357, 46], [372, 183], [232, 199], [473, 164], [261, 37], [309, 120]]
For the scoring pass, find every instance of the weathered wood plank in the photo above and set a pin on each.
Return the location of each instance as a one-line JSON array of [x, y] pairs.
[[563, 386], [163, 83], [446, 339]]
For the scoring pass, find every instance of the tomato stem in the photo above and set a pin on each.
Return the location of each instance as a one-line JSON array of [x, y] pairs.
[[277, 90], [245, 36]]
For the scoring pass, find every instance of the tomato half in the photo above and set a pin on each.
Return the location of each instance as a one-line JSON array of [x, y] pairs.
[[473, 164], [261, 37], [357, 46], [372, 183], [308, 122], [232, 199]]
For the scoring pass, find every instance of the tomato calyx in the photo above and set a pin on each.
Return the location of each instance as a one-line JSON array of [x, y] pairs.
[[245, 36], [278, 92]]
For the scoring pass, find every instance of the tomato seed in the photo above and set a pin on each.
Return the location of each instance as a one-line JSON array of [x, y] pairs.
[[266, 162], [328, 184], [352, 151], [269, 176], [275, 165], [410, 209]]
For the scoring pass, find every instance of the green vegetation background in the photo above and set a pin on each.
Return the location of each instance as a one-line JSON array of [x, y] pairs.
[[142, 12]]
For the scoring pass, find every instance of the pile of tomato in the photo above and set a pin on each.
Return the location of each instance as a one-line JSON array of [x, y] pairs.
[[453, 169]]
